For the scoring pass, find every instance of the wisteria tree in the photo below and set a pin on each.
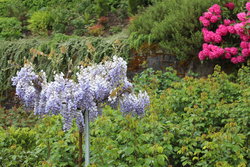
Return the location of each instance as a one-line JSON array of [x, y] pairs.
[[81, 100]]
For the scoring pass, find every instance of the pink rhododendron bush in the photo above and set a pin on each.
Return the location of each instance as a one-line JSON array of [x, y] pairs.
[[226, 33]]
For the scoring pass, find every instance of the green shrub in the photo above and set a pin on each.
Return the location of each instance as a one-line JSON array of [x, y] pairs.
[[40, 22], [174, 25], [13, 8], [38, 146], [134, 4], [61, 19], [154, 82], [18, 117], [191, 122], [208, 119], [10, 28], [17, 147], [129, 141]]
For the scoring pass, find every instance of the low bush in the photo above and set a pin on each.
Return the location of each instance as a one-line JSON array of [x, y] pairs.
[[155, 82], [38, 146], [17, 116], [40, 22], [10, 28]]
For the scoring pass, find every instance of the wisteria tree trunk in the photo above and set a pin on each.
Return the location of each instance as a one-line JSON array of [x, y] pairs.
[[80, 149]]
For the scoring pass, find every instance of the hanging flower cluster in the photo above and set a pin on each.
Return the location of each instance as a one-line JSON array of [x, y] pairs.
[[97, 85], [228, 32]]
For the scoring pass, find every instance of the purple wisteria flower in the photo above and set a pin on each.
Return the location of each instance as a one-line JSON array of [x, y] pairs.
[[96, 86], [135, 104], [25, 85]]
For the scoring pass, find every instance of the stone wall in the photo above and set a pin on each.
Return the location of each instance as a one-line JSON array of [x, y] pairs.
[[158, 60]]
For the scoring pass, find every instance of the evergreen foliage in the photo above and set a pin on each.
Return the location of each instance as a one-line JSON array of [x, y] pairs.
[[40, 22], [174, 25]]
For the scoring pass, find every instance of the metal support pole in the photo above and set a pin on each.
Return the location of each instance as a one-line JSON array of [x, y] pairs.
[[86, 131]]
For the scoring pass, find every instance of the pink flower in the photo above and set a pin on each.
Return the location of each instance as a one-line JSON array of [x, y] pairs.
[[240, 59], [231, 29], [204, 46], [207, 35], [234, 50], [222, 30], [244, 37], [248, 6], [227, 22], [230, 5], [204, 21], [239, 28], [201, 18], [208, 15], [244, 45], [207, 38], [220, 51], [201, 56], [245, 52], [214, 19], [213, 47], [204, 30], [217, 38], [228, 50], [242, 16], [228, 56], [212, 55], [215, 9], [234, 60], [206, 52]]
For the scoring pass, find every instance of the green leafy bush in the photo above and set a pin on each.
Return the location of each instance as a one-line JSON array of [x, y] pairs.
[[17, 147], [154, 82], [39, 146], [40, 22], [10, 28], [129, 141], [18, 117], [191, 122], [208, 119], [61, 19], [174, 25], [195, 122]]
